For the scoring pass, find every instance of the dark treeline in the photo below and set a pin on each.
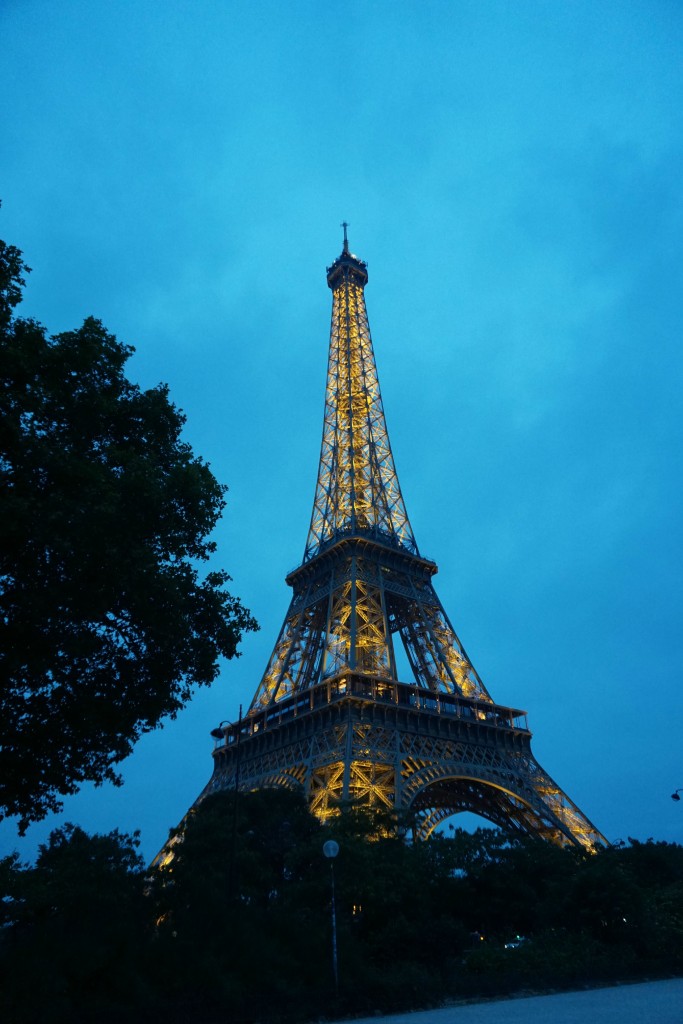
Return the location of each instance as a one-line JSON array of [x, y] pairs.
[[238, 927]]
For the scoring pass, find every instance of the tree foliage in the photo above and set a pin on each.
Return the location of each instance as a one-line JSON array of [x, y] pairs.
[[238, 926], [80, 918], [106, 623]]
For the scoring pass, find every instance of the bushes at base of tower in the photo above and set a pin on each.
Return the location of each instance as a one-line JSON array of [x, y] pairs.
[[238, 927]]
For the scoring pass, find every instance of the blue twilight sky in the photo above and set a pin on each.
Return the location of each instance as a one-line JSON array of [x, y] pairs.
[[512, 175]]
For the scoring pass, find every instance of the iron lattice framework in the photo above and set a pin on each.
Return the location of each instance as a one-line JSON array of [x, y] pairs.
[[331, 714]]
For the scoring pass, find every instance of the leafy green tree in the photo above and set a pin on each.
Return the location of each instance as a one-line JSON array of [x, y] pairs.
[[238, 925], [75, 928], [632, 896], [106, 623], [243, 909]]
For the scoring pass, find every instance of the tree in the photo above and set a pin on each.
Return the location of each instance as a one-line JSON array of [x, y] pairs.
[[105, 621], [81, 914], [242, 910]]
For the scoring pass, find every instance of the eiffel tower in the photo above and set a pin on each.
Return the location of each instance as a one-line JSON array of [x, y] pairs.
[[331, 715]]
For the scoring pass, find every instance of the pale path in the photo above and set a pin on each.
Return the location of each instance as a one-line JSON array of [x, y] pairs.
[[656, 1002]]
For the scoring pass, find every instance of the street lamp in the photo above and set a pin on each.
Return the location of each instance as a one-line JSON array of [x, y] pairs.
[[675, 796], [331, 849]]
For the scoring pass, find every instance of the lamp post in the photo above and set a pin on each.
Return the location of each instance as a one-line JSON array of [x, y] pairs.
[[331, 849], [218, 734], [675, 796]]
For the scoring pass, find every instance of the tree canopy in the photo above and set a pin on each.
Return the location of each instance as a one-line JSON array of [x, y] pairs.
[[106, 623], [238, 926]]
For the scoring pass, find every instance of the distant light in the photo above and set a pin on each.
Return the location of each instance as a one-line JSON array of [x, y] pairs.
[[330, 848]]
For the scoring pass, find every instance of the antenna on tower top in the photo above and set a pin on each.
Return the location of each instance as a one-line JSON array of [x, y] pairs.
[[346, 241]]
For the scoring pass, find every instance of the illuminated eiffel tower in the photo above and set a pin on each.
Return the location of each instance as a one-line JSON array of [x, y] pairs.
[[331, 715]]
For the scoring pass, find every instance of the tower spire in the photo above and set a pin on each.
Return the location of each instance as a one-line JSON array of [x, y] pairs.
[[345, 225], [357, 490]]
